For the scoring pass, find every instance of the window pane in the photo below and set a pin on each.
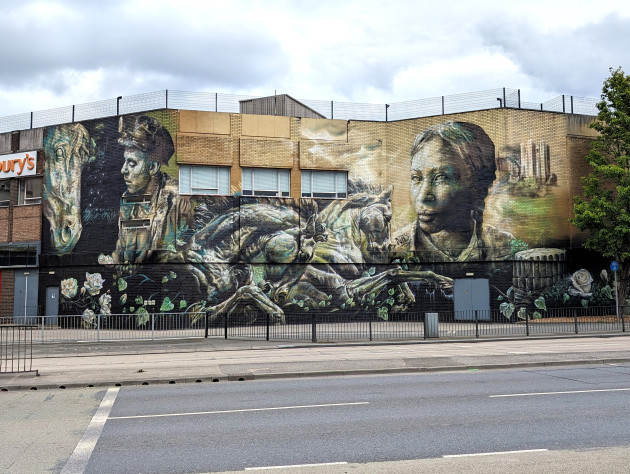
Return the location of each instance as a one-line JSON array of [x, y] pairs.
[[5, 192], [324, 181], [265, 180], [247, 180], [224, 180], [184, 179], [284, 178], [306, 183], [342, 183], [204, 180]]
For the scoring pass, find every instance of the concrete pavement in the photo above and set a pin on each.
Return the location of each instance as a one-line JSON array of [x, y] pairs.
[[123, 363]]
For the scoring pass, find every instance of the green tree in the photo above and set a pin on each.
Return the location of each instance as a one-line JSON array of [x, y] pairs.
[[604, 208]]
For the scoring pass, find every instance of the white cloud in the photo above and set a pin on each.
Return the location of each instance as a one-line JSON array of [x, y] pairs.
[[58, 53]]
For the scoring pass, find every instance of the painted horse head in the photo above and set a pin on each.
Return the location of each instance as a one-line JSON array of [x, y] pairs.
[[68, 149]]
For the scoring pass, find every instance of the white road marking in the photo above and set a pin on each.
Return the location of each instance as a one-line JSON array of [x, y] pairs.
[[296, 466], [561, 393], [495, 454], [80, 457], [237, 411]]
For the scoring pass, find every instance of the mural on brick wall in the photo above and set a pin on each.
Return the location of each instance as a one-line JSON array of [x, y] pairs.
[[133, 244]]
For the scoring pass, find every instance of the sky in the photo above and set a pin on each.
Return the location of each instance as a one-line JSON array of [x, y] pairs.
[[59, 53]]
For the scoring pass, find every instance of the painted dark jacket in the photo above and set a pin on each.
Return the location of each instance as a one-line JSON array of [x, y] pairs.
[[486, 244], [149, 223]]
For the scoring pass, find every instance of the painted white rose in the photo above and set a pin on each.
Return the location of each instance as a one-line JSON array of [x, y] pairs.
[[69, 287], [105, 301], [88, 319], [93, 283], [582, 280]]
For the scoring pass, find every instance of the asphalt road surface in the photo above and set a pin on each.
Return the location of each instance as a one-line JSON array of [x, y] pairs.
[[525, 419]]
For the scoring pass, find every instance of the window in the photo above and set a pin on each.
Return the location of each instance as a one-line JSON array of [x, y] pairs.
[[5, 193], [204, 180], [324, 184], [30, 191], [266, 182]]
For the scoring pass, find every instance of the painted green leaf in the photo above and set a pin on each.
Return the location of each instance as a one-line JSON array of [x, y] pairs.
[[585, 303], [167, 305], [383, 313], [500, 298], [607, 292], [391, 292], [122, 284], [164, 279], [507, 309], [173, 275], [565, 297], [142, 316], [522, 313], [390, 301], [123, 299], [139, 300], [540, 303], [182, 304], [132, 308], [536, 315], [300, 303], [372, 271], [322, 303]]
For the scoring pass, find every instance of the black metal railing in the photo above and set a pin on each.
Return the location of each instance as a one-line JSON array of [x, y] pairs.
[[230, 103], [16, 348]]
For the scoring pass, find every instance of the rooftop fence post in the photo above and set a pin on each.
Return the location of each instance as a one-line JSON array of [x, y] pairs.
[[31, 119], [216, 101], [118, 104], [571, 104], [331, 110], [166, 99], [386, 107], [73, 114], [519, 98], [504, 97], [442, 105], [563, 104]]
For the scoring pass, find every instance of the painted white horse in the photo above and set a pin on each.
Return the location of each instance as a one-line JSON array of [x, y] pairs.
[[68, 149]]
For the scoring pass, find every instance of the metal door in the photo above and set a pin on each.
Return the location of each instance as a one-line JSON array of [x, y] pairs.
[[25, 296], [470, 295], [52, 304]]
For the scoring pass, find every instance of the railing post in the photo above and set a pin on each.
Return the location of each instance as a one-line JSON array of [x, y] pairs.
[[152, 326], [476, 324], [98, 327], [526, 323], [267, 335], [225, 322], [313, 327], [206, 325], [370, 321], [623, 322], [575, 321], [43, 322]]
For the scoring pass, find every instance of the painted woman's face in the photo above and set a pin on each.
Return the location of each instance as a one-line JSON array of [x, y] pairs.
[[441, 188]]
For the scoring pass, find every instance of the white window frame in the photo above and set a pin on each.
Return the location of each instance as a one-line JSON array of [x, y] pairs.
[[341, 178], [188, 172], [250, 188], [27, 201]]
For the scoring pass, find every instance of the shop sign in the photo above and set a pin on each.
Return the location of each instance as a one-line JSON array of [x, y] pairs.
[[18, 164]]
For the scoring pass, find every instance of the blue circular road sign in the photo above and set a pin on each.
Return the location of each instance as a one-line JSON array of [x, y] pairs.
[[614, 266]]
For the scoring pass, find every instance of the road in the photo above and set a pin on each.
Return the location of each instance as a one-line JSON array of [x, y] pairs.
[[527, 419]]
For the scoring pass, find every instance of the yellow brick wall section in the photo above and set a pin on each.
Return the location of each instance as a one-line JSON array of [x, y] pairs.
[[198, 149], [268, 153]]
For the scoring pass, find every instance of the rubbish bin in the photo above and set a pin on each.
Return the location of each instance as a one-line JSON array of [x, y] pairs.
[[431, 325]]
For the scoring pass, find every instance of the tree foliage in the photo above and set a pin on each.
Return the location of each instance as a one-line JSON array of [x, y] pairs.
[[604, 208]]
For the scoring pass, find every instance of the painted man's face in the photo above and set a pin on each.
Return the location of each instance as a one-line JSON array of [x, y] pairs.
[[441, 188], [137, 170]]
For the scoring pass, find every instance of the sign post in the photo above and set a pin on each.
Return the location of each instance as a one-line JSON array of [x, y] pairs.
[[614, 266]]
